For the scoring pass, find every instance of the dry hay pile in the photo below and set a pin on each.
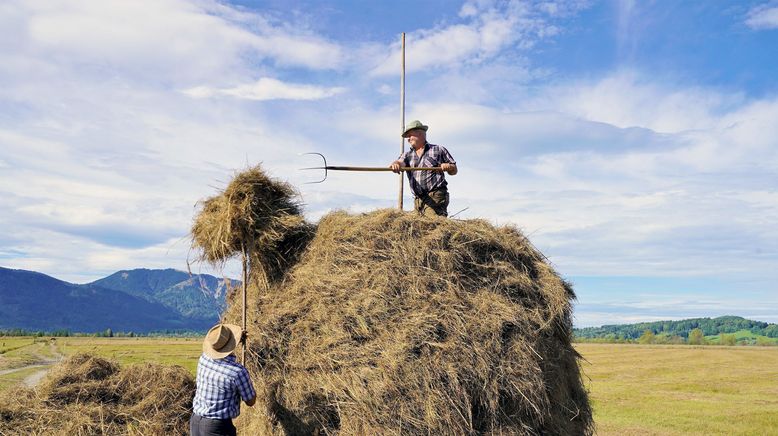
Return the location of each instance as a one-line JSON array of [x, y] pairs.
[[389, 323], [87, 395], [255, 213]]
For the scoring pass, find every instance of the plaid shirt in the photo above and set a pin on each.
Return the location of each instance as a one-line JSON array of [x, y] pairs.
[[423, 182], [221, 383]]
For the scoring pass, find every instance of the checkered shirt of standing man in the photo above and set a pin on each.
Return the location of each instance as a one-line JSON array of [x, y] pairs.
[[430, 189], [221, 383]]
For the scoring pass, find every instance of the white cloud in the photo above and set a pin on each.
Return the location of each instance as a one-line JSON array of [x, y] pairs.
[[385, 89], [763, 17], [177, 38], [468, 10], [614, 308], [300, 50], [626, 35], [626, 99], [268, 89], [488, 29]]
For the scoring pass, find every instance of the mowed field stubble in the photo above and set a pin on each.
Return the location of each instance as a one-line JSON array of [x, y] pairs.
[[635, 389], [126, 351], [681, 389]]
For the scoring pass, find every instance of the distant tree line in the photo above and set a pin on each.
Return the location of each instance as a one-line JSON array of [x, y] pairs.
[[691, 331], [107, 333]]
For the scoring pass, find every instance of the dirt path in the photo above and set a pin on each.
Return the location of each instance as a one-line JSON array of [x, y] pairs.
[[13, 370], [32, 380], [43, 362]]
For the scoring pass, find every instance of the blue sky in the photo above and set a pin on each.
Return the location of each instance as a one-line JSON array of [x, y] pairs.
[[636, 143]]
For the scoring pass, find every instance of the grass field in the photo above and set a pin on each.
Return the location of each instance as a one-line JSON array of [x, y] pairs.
[[17, 377], [18, 352], [8, 344], [635, 389], [682, 390], [168, 351]]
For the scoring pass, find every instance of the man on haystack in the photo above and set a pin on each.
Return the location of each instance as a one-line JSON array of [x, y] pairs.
[[221, 383], [429, 188]]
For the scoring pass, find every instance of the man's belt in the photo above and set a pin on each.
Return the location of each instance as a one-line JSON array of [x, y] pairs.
[[427, 194], [213, 419]]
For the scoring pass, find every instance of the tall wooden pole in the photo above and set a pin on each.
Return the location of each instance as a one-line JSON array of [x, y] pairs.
[[245, 267], [402, 118]]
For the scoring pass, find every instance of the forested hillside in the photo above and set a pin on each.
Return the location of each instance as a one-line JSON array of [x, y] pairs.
[[709, 326]]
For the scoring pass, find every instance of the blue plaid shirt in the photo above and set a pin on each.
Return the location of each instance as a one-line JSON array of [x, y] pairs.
[[221, 383], [423, 182]]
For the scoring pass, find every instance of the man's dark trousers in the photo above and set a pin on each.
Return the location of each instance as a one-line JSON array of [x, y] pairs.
[[199, 426], [432, 203]]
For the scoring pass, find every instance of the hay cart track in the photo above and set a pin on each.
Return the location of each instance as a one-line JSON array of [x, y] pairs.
[[41, 361]]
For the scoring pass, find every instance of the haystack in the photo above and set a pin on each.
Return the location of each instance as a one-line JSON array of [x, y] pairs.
[[87, 395], [388, 323]]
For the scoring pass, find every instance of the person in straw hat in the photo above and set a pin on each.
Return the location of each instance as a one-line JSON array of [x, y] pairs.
[[430, 189], [221, 383]]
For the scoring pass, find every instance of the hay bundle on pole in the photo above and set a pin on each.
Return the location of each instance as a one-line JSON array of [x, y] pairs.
[[258, 218], [256, 213], [389, 323]]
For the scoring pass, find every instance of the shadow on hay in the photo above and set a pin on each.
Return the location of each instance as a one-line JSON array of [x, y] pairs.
[[394, 324]]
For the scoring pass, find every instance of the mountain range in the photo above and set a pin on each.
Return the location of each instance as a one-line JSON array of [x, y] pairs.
[[154, 300], [138, 300]]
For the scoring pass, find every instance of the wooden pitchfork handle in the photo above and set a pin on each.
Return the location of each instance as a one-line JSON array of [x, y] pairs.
[[342, 168], [337, 168]]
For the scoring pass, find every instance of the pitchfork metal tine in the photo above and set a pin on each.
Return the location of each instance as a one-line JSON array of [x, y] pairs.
[[316, 168]]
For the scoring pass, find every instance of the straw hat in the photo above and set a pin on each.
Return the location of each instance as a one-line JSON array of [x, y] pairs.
[[413, 125], [221, 340]]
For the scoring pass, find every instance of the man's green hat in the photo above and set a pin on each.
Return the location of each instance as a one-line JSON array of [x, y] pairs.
[[413, 125]]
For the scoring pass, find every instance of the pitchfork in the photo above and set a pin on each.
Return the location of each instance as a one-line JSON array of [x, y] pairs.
[[340, 168]]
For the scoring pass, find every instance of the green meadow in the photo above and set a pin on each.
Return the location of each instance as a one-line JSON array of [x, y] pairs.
[[745, 337], [126, 351], [17, 352], [681, 389], [635, 389]]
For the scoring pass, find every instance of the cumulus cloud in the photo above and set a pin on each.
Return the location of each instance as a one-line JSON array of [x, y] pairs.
[[763, 17], [177, 38], [626, 98], [267, 89], [488, 28]]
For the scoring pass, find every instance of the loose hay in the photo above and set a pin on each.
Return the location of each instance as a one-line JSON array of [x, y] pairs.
[[255, 212], [87, 395]]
